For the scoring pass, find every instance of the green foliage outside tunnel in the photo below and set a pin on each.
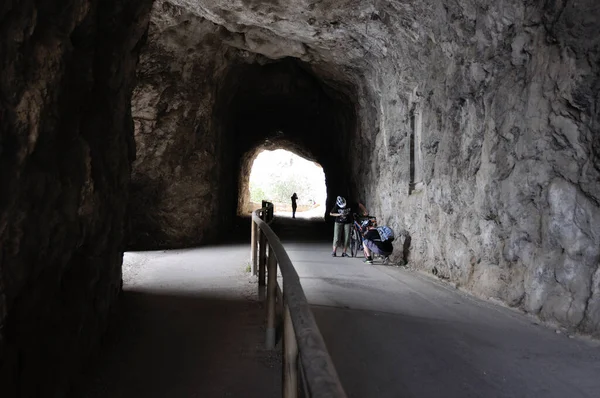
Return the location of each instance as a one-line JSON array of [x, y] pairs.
[[276, 175]]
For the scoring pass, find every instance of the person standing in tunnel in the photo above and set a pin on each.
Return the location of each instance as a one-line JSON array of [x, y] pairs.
[[343, 222], [294, 204]]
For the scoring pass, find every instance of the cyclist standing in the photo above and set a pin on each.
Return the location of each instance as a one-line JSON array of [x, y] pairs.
[[342, 211]]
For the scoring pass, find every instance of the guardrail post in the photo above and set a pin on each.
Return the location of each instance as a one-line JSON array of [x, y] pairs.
[[262, 255], [271, 298], [290, 357], [253, 245]]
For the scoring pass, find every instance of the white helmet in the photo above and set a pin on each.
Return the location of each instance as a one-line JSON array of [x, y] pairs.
[[341, 202]]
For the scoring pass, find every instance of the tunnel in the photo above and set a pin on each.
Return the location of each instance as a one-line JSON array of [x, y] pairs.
[[283, 105], [472, 128], [272, 174], [259, 103]]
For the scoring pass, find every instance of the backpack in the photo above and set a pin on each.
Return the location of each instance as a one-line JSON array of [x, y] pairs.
[[386, 234]]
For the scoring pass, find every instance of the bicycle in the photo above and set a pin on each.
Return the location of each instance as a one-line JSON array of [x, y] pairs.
[[356, 234]]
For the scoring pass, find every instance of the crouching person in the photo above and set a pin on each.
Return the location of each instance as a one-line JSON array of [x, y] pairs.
[[377, 241]]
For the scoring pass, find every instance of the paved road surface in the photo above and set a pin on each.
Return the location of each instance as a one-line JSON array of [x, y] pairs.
[[190, 326], [397, 333]]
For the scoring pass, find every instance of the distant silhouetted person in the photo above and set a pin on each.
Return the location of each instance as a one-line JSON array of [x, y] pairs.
[[294, 204]]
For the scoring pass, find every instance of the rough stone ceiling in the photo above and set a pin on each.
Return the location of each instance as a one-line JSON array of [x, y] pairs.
[[339, 38], [310, 30]]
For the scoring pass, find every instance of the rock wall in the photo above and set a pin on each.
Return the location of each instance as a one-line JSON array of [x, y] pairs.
[[66, 76], [178, 173], [471, 127], [509, 120]]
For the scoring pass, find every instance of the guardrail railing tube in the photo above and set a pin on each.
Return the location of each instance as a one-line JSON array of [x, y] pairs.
[[304, 389], [271, 298], [290, 357], [262, 254], [315, 370], [254, 231]]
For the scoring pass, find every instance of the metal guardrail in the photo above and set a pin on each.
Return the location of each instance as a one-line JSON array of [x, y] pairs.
[[305, 356]]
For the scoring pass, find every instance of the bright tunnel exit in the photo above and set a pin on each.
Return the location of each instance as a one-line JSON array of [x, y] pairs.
[[276, 175]]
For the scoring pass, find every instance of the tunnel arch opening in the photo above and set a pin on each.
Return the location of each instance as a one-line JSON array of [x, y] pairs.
[[193, 141], [275, 175], [286, 104]]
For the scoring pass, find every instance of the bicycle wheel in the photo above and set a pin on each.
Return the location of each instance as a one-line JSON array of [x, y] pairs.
[[354, 242]]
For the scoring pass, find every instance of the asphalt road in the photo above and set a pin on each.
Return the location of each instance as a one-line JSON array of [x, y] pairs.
[[190, 326], [397, 333]]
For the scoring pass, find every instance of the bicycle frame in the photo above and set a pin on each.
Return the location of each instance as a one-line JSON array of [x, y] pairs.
[[358, 231]]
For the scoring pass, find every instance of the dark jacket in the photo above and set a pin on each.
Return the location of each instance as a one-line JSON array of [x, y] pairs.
[[374, 237], [346, 213]]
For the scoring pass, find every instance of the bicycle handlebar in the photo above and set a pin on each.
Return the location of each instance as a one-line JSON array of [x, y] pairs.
[[367, 216]]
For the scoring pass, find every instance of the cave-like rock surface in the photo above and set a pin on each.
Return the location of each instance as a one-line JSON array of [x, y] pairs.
[[66, 144], [203, 109], [472, 127]]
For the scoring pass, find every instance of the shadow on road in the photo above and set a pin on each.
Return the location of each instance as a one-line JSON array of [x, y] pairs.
[[287, 229], [165, 345], [305, 231]]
